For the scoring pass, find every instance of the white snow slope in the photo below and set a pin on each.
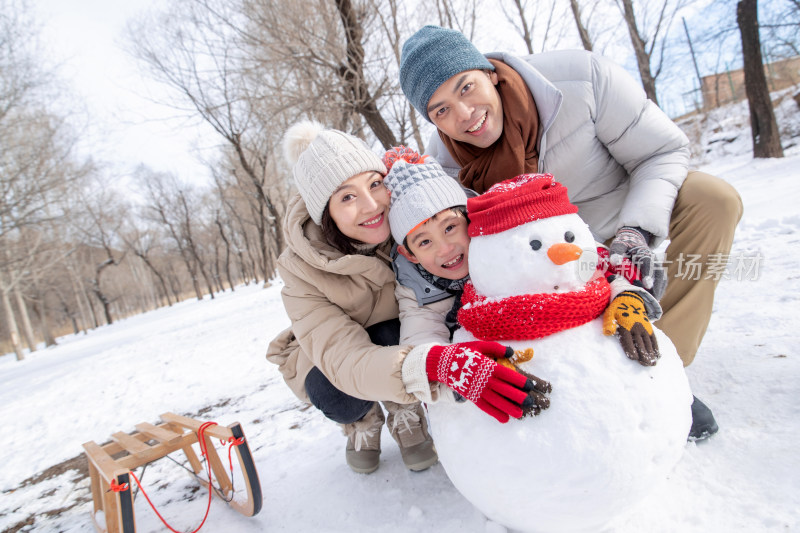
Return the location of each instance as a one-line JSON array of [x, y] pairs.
[[208, 357]]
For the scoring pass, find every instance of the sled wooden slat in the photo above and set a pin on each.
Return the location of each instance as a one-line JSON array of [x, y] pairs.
[[113, 461], [102, 461], [131, 444], [197, 466], [159, 433], [220, 432]]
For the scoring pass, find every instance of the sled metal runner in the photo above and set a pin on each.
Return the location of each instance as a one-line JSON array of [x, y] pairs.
[[111, 463]]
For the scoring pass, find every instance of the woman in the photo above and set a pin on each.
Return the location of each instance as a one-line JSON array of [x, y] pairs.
[[341, 353]]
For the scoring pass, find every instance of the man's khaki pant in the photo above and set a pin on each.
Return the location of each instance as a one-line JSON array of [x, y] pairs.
[[701, 230]]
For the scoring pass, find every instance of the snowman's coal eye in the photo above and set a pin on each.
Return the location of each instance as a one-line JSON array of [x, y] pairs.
[[569, 236], [535, 245]]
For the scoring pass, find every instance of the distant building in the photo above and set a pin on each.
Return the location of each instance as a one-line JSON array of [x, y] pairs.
[[727, 87]]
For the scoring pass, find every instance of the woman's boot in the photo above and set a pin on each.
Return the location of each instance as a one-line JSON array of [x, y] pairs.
[[364, 441], [409, 427]]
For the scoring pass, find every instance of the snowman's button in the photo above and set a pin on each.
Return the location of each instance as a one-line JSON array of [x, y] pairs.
[[427, 289]]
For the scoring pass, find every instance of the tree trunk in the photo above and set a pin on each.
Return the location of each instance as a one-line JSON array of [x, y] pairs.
[[243, 270], [197, 291], [40, 308], [586, 41], [353, 76], [158, 275], [526, 33], [44, 322], [11, 324], [642, 57], [104, 301], [227, 252], [766, 138], [174, 282], [27, 329], [204, 271], [79, 293], [265, 202], [69, 314], [95, 320]]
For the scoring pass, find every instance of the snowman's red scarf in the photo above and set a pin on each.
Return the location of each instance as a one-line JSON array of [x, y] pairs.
[[532, 316]]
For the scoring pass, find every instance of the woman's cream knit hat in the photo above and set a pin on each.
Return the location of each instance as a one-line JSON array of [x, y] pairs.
[[323, 159]]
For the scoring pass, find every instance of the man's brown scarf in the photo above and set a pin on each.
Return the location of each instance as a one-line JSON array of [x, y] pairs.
[[516, 151]]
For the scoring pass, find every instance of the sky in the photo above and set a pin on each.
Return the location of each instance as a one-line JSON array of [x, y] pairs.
[[125, 126], [209, 356], [85, 39]]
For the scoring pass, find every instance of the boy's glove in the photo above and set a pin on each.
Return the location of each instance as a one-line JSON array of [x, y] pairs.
[[626, 316], [469, 369], [632, 243]]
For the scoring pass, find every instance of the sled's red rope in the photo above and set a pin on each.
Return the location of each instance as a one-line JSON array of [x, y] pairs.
[[117, 487], [233, 442]]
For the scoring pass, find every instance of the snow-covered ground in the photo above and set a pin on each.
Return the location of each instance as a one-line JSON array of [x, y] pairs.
[[206, 359]]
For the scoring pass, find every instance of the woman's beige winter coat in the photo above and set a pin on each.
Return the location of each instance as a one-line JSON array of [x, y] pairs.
[[330, 298]]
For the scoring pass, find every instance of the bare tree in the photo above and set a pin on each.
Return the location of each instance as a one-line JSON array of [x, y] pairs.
[[218, 221], [143, 242], [197, 49], [38, 296], [583, 31], [37, 168], [525, 27], [173, 205], [648, 37], [353, 76], [100, 225], [780, 28], [34, 176], [459, 16], [237, 206], [390, 13], [766, 139], [545, 20]]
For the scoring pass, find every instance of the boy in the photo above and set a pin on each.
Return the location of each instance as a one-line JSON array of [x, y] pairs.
[[428, 221]]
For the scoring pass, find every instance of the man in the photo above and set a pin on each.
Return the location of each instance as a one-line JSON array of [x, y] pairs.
[[582, 118]]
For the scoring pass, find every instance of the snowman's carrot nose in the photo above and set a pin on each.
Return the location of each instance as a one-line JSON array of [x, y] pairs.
[[563, 252]]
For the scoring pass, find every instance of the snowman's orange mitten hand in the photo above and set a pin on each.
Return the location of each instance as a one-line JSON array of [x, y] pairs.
[[627, 317]]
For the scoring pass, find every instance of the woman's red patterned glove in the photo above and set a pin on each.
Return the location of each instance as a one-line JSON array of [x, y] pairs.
[[470, 369]]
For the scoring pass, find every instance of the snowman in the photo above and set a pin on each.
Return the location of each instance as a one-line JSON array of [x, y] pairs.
[[616, 425]]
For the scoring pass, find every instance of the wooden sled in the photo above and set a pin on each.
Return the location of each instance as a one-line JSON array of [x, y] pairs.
[[112, 462]]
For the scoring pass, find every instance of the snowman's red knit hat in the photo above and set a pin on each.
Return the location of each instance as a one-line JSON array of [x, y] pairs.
[[517, 201]]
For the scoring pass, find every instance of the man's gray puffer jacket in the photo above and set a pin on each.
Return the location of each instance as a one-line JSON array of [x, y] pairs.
[[621, 158]]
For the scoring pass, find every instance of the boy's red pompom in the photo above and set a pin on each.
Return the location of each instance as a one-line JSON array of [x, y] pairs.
[[402, 153]]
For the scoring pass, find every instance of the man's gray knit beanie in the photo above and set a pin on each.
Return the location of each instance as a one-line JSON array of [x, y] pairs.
[[322, 160], [432, 56], [419, 191]]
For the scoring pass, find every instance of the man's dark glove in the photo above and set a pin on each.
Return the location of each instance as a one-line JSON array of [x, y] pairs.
[[632, 243], [626, 317]]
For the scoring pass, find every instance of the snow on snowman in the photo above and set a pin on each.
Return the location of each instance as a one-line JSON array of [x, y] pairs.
[[619, 413]]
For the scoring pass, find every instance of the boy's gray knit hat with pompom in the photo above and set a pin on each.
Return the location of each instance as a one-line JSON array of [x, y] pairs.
[[323, 159], [420, 188]]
